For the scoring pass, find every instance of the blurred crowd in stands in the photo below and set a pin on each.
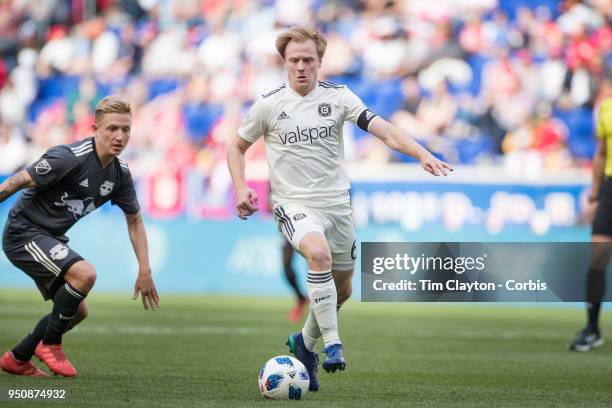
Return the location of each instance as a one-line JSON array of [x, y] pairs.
[[511, 82]]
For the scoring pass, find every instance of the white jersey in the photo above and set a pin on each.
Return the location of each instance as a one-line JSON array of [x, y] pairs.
[[303, 139]]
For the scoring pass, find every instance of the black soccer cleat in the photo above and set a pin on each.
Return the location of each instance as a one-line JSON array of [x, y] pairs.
[[586, 340], [310, 359]]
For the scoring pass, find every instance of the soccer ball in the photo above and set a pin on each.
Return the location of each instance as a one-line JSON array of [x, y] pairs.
[[283, 377]]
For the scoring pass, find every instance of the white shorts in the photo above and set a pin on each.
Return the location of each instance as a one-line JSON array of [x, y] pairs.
[[335, 222]]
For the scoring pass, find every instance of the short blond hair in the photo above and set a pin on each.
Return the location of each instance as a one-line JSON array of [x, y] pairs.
[[111, 104], [301, 34]]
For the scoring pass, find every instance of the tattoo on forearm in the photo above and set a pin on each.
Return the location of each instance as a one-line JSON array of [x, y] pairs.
[[16, 180], [13, 184]]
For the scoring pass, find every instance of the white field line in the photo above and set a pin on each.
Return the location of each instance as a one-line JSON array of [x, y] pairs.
[[241, 330], [17, 311], [486, 335], [20, 311]]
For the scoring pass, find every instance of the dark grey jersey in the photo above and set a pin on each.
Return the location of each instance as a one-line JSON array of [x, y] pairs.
[[71, 183]]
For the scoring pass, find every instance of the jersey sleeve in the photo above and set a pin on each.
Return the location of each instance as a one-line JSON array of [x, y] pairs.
[[604, 119], [254, 124], [52, 166], [356, 111], [125, 195]]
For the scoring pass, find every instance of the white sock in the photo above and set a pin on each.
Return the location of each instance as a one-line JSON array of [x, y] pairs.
[[311, 332], [323, 300]]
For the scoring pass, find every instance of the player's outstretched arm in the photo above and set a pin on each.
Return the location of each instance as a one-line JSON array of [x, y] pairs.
[[15, 183], [246, 198], [397, 140], [144, 282]]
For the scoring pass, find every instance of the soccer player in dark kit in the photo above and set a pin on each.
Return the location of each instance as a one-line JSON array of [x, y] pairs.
[[600, 213], [64, 185]]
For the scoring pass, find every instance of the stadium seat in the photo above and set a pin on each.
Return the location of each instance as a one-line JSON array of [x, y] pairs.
[[199, 120], [51, 89], [163, 85], [470, 149], [581, 139]]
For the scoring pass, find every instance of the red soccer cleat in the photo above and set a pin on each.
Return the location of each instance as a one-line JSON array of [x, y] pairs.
[[11, 365], [53, 356], [295, 315]]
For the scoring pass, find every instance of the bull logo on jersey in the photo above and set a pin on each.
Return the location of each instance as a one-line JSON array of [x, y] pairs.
[[78, 208], [325, 109], [59, 252], [106, 188]]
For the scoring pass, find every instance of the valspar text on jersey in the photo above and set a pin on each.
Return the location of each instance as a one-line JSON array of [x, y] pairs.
[[306, 135]]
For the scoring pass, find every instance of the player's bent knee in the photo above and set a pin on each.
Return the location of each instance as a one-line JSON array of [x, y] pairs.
[[88, 275], [319, 259], [91, 277], [81, 275], [313, 247]]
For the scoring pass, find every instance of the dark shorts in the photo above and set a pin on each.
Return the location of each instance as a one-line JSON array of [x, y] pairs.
[[44, 257], [602, 224]]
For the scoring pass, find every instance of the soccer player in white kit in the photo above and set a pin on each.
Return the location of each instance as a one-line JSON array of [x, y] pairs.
[[301, 122]]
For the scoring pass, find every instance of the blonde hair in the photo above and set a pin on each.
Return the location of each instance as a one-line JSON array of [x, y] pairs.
[[111, 104], [301, 34]]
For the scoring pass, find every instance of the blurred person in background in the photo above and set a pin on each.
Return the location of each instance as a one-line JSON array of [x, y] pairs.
[[13, 148], [295, 315], [600, 212], [48, 47]]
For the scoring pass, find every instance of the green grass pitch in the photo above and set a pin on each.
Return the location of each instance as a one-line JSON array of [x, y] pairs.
[[207, 350]]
